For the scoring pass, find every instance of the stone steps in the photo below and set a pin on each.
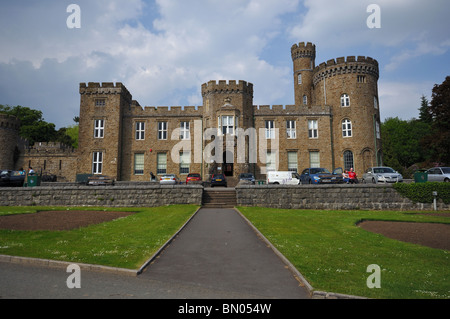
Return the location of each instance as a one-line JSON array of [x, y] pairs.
[[219, 198]]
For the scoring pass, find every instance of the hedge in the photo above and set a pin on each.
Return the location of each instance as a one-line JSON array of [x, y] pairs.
[[423, 192]]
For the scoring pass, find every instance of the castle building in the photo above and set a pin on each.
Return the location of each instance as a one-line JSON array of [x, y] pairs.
[[335, 122]]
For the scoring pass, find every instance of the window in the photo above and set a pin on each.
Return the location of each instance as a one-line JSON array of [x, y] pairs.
[[345, 100], [313, 131], [346, 128], [97, 163], [162, 130], [377, 126], [226, 124], [290, 129], [140, 130], [292, 161], [314, 159], [270, 161], [361, 78], [138, 164], [100, 102], [299, 78], [161, 165], [99, 128], [375, 102], [348, 160], [305, 100], [184, 131], [185, 160], [270, 130]]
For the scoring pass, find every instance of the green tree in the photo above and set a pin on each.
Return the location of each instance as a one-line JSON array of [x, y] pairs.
[[424, 111]]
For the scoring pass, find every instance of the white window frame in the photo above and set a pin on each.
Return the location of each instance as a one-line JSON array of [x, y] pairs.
[[270, 129], [140, 131], [139, 163], [313, 128], [314, 159], [305, 100], [99, 128], [227, 124], [161, 163], [347, 128], [185, 133], [162, 130], [291, 130], [345, 100], [377, 126], [271, 161], [292, 161], [97, 163], [299, 78], [185, 163]]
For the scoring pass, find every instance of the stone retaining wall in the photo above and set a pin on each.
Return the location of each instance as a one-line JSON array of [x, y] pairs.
[[128, 195], [361, 196]]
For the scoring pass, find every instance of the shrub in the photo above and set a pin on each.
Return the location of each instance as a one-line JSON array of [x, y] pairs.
[[423, 192]]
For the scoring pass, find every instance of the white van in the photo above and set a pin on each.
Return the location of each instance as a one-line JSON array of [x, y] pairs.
[[289, 178]]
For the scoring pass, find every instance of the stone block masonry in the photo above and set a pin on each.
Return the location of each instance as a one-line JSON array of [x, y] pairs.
[[110, 196]]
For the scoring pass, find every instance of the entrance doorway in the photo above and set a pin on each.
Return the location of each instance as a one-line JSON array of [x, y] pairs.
[[228, 163]]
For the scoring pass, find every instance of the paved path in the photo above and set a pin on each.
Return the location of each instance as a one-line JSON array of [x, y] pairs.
[[217, 255]]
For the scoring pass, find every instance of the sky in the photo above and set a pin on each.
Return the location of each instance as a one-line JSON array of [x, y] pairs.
[[163, 50]]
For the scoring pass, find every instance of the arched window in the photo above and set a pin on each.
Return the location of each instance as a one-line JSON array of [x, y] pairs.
[[345, 100], [346, 128], [348, 160]]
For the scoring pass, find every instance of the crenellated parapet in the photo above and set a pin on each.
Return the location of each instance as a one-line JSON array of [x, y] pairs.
[[303, 50], [290, 110], [9, 122], [137, 111], [360, 65], [105, 88], [227, 87]]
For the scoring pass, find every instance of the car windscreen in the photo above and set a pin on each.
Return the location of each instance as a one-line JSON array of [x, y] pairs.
[[319, 171], [446, 170], [383, 170]]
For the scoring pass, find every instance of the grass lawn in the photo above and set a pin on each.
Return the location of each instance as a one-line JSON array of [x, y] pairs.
[[126, 242], [333, 254]]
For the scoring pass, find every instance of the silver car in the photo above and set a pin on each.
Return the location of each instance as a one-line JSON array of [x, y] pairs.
[[169, 179], [439, 174], [381, 174]]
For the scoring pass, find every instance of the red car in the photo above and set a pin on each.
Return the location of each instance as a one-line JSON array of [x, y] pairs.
[[193, 177]]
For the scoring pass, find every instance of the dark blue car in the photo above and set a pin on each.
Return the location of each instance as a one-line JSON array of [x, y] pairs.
[[218, 180], [319, 175]]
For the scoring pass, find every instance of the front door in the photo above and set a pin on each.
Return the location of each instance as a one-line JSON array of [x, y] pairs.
[[228, 166]]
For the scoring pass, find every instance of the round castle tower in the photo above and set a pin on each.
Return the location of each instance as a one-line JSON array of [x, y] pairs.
[[303, 57], [9, 137]]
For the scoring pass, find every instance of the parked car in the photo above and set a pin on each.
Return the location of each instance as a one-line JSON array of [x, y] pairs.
[[381, 174], [11, 178], [169, 179], [193, 177], [218, 180], [100, 180], [247, 177], [320, 175], [283, 177], [439, 174]]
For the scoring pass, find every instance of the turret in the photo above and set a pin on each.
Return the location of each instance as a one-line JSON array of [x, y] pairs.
[[303, 57]]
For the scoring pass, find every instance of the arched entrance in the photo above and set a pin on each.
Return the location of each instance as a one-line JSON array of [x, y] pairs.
[[228, 163]]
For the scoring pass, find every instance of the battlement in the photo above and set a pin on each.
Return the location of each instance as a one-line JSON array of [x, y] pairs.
[[286, 110], [345, 65], [9, 122], [105, 88], [227, 87], [303, 51], [50, 148], [164, 111]]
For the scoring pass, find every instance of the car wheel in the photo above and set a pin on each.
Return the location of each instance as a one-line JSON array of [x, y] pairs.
[[446, 180], [373, 180]]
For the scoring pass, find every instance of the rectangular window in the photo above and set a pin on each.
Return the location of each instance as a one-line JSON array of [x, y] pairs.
[[139, 164], [226, 124], [361, 78], [161, 165], [185, 161], [292, 161], [313, 131], [140, 131], [378, 130], [314, 159], [97, 163], [290, 129], [162, 130], [270, 161], [100, 102], [300, 78], [99, 128], [185, 134], [270, 130]]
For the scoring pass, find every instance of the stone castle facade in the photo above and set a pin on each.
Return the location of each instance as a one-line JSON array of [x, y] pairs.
[[335, 122]]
